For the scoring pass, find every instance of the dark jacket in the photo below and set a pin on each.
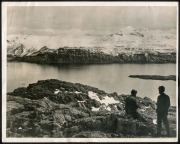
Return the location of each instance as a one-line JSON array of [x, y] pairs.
[[131, 105], [163, 103]]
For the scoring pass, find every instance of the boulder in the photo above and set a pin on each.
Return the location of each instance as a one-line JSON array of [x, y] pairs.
[[19, 91], [96, 103], [14, 107], [126, 126]]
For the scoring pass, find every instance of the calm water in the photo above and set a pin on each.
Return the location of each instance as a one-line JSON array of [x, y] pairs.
[[110, 77]]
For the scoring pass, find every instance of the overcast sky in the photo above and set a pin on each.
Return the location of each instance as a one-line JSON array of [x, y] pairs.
[[48, 20]]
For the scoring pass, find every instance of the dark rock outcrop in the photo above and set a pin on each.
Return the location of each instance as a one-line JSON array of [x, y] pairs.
[[154, 77]]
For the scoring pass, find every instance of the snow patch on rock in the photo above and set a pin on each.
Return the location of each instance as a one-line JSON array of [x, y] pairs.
[[155, 121], [57, 91], [77, 92], [104, 102]]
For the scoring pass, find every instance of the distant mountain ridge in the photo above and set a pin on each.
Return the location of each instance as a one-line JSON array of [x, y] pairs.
[[129, 42]]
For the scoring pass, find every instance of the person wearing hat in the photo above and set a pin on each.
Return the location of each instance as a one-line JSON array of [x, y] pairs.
[[131, 105], [163, 104]]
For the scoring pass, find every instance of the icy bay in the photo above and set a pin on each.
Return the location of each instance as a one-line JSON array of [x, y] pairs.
[[108, 77]]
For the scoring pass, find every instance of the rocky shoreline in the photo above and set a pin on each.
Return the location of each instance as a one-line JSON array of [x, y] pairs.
[[86, 56], [59, 109], [154, 77]]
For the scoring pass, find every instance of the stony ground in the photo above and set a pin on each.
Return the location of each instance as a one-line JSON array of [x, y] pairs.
[[53, 108]]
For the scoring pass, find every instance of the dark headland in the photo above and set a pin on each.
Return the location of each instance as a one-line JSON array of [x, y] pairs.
[[154, 77], [54, 108]]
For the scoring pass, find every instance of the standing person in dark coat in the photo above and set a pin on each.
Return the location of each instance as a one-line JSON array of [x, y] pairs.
[[163, 104], [131, 105]]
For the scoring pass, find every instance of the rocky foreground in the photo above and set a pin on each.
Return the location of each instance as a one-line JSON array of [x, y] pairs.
[[53, 108]]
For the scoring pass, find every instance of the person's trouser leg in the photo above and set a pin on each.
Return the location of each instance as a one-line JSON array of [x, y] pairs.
[[166, 123], [159, 124], [134, 115]]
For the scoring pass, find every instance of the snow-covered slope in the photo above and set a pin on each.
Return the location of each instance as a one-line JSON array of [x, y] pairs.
[[127, 38]]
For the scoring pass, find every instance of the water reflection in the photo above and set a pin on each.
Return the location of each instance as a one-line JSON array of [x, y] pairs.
[[108, 77]]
